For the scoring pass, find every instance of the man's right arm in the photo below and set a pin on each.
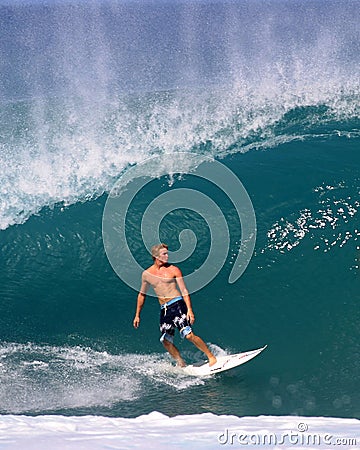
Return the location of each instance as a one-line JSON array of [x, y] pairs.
[[140, 301]]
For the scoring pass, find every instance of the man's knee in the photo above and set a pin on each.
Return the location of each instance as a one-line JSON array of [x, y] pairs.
[[166, 337], [190, 336]]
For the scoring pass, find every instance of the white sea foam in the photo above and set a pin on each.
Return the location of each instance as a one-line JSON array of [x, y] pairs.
[[335, 209], [157, 431], [36, 378]]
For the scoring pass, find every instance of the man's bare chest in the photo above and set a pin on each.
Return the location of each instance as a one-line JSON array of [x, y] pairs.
[[158, 279]]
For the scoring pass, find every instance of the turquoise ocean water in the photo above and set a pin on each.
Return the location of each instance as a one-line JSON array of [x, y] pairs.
[[270, 89]]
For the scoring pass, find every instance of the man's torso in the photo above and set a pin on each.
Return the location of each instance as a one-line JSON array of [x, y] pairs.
[[163, 281]]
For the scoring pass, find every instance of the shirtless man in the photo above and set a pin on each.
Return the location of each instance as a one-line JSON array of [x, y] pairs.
[[175, 303]]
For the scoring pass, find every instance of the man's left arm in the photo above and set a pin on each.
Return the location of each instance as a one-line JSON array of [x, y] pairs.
[[185, 295]]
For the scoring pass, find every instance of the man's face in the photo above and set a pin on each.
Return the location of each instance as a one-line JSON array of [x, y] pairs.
[[163, 255]]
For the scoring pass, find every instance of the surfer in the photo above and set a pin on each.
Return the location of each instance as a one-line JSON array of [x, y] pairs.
[[176, 310]]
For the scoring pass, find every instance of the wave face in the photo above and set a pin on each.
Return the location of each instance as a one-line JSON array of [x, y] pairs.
[[88, 92]]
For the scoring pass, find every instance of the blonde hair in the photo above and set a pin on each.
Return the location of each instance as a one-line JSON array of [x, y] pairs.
[[155, 250]]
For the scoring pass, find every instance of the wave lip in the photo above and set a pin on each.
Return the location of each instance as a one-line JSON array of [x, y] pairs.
[[42, 169], [212, 78]]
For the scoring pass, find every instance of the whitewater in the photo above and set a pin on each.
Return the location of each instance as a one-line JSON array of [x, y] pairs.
[[156, 430]]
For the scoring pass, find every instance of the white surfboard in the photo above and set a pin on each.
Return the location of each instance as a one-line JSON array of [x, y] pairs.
[[223, 363]]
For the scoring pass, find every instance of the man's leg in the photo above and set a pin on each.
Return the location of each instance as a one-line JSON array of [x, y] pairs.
[[174, 352], [200, 344]]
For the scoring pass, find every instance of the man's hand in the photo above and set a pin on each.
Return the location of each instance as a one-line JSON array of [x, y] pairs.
[[136, 322], [190, 317]]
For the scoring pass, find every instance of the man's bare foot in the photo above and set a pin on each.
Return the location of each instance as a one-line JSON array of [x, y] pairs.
[[180, 363], [212, 360]]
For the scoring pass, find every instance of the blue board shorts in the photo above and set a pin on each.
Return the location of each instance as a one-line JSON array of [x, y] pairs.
[[173, 315]]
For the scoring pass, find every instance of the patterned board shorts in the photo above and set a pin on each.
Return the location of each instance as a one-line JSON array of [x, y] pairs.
[[173, 315]]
